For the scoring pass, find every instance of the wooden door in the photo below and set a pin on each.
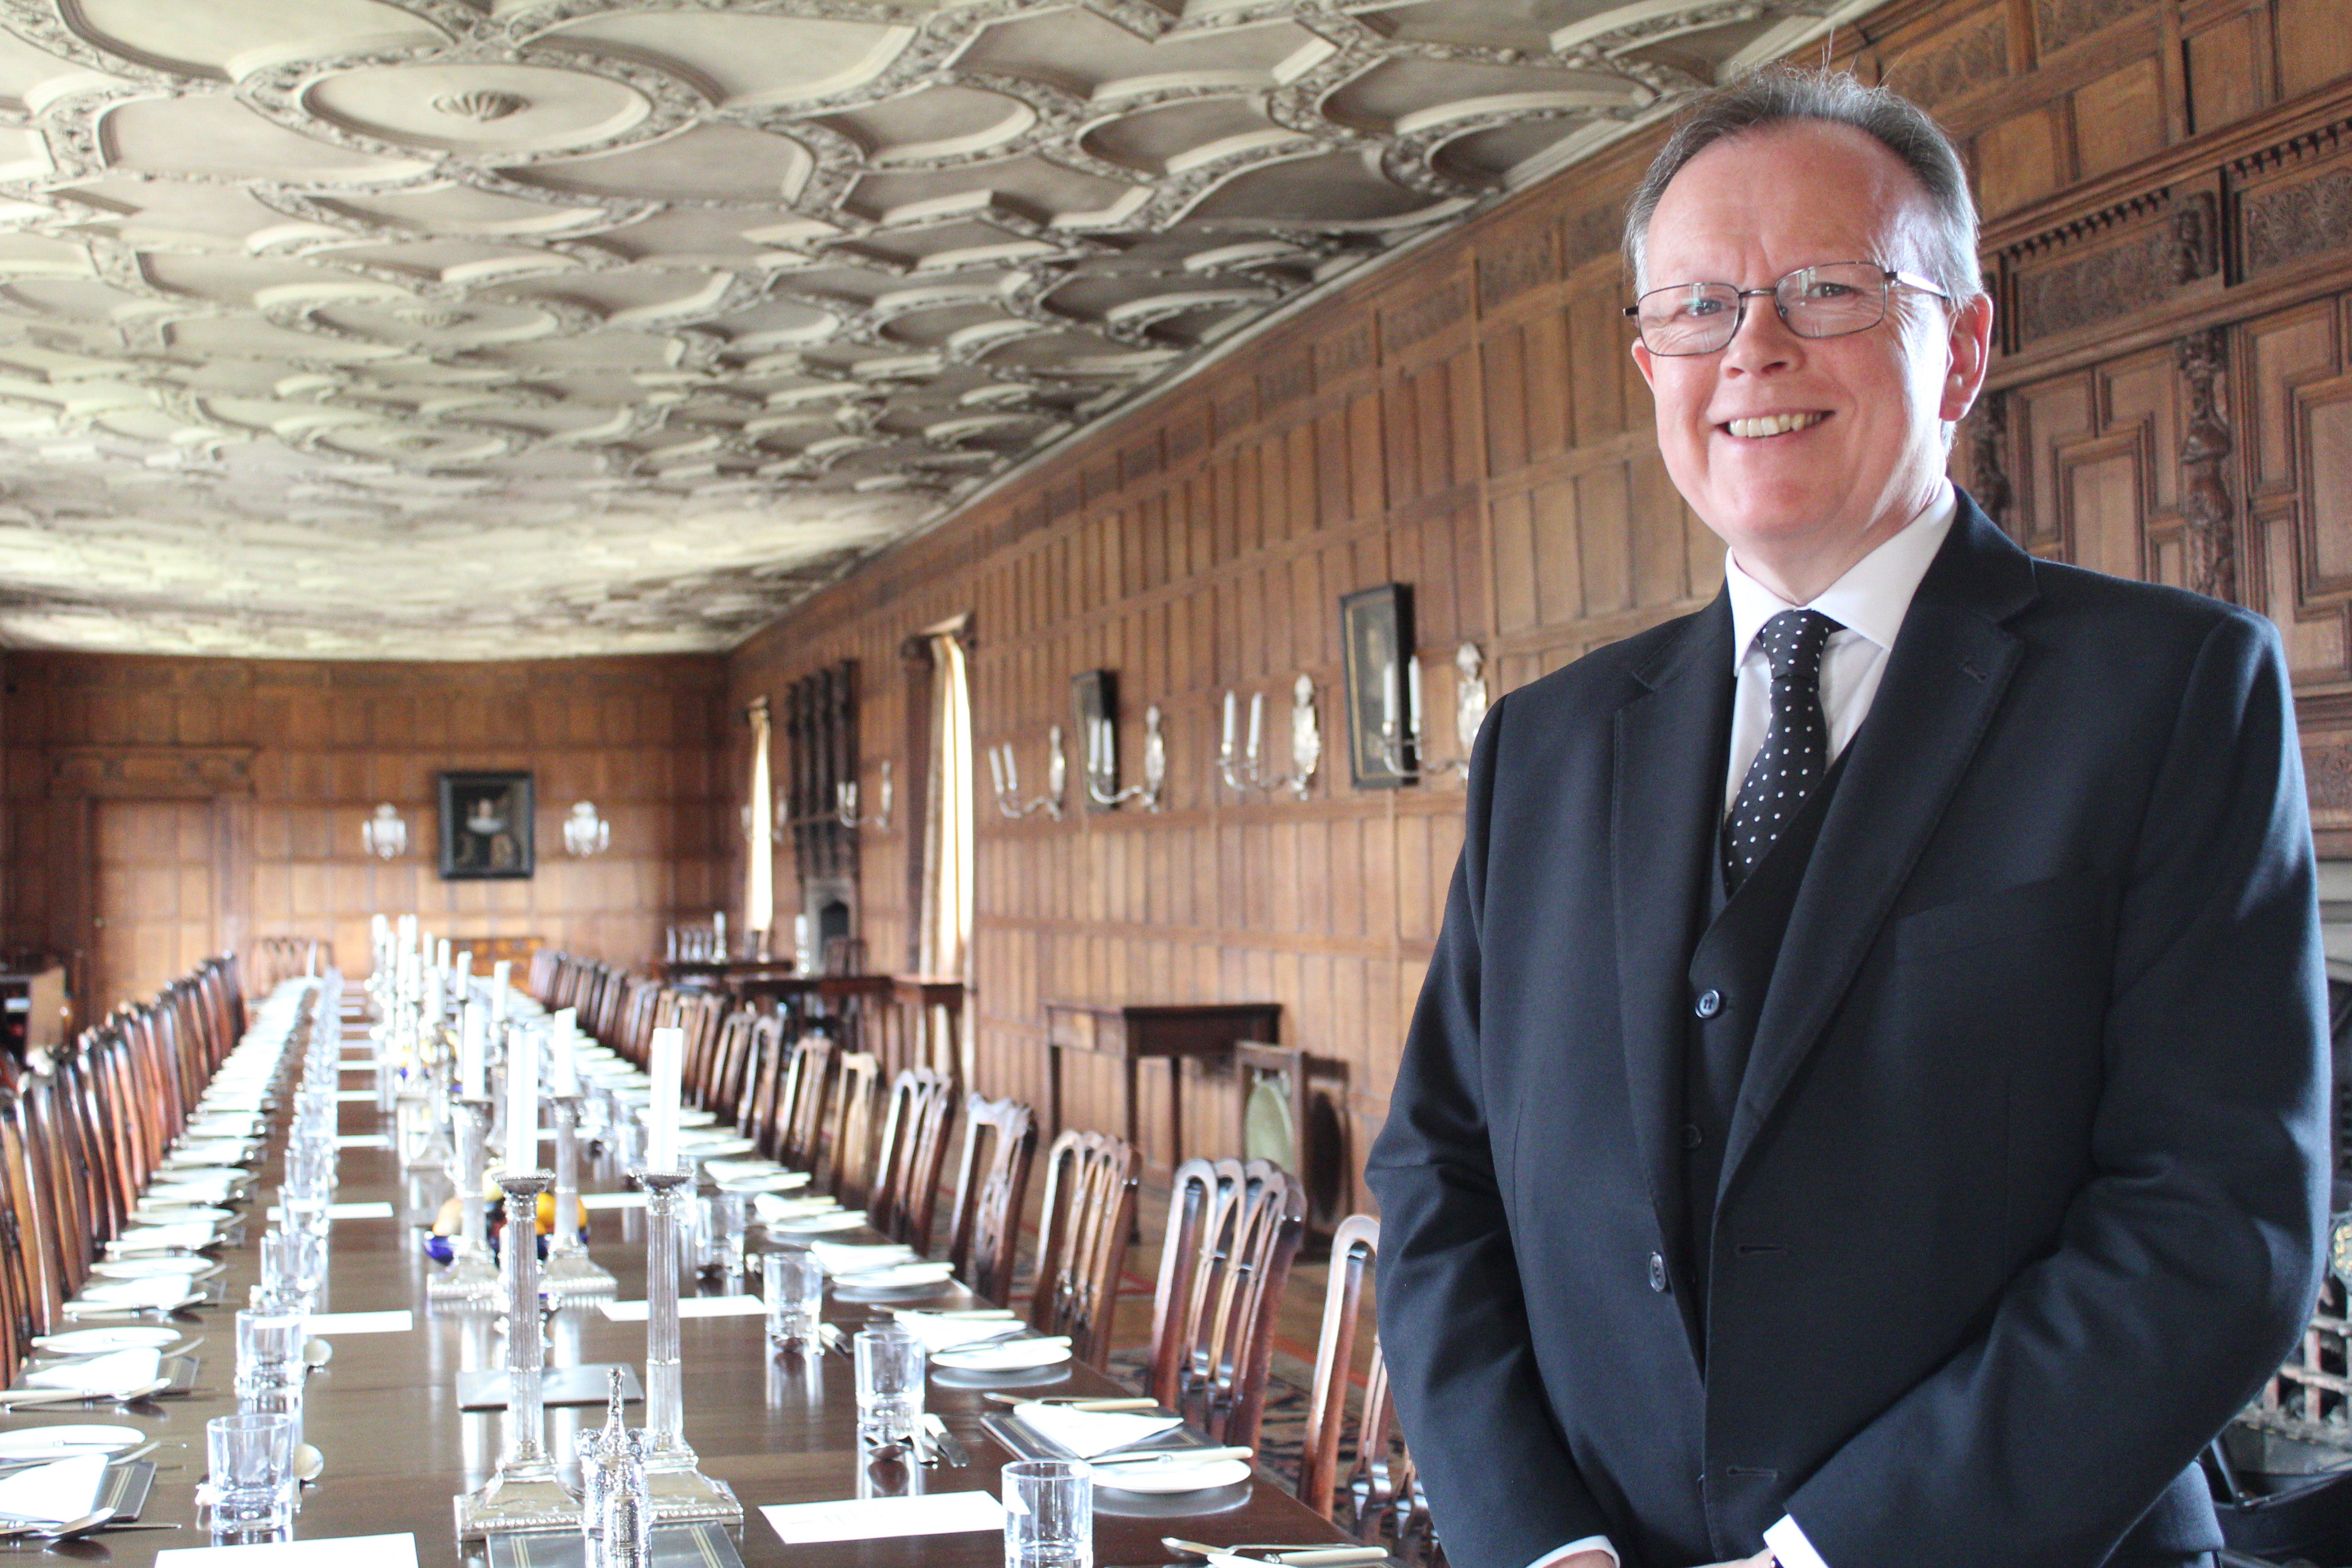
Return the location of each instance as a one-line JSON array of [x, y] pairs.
[[157, 881]]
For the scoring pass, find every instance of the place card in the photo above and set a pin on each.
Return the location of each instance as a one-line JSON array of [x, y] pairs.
[[354, 1097], [349, 1552], [376, 1210], [364, 1140], [878, 1519], [611, 1200], [322, 1324], [675, 1546], [689, 1307]]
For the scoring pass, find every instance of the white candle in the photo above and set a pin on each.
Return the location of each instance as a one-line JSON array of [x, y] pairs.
[[1390, 679], [564, 1068], [1225, 746], [500, 971], [461, 975], [996, 767], [1012, 771], [469, 1052], [441, 953], [1412, 695], [668, 1062], [1258, 721], [522, 1101]]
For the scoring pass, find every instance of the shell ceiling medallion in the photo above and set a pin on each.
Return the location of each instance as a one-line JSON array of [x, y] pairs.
[[483, 104]]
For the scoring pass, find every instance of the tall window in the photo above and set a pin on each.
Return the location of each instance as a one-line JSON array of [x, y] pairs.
[[759, 831], [944, 937]]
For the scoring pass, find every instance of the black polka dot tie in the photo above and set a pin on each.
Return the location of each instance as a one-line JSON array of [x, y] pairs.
[[1796, 743]]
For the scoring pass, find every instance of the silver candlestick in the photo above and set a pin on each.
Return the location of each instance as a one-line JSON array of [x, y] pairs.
[[681, 1492], [570, 1272], [525, 1494], [471, 1279]]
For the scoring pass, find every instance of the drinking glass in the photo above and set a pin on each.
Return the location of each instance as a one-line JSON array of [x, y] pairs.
[[1049, 1514], [268, 1348], [723, 1232], [792, 1282], [890, 1367], [250, 1457]]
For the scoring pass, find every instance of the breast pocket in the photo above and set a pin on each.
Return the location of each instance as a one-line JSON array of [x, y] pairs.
[[2032, 909]]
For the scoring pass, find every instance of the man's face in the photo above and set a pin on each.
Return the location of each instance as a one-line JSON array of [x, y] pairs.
[[1868, 407]]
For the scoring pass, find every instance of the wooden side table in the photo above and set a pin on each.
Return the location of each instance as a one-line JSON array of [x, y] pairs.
[[1205, 1031]]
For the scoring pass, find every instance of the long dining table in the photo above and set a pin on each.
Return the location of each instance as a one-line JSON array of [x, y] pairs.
[[777, 1427]]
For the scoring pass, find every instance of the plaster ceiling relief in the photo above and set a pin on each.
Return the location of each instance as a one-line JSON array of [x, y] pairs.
[[463, 329]]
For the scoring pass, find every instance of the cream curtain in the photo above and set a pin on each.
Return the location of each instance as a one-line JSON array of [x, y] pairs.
[[946, 935], [758, 850]]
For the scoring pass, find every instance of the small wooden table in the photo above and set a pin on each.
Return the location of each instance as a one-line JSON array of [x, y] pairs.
[[1204, 1031]]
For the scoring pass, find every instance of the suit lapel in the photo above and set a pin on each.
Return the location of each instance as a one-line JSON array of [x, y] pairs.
[[1667, 794], [1944, 680]]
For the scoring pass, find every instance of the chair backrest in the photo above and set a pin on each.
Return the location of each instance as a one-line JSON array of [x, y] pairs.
[[1090, 1178], [800, 1108], [762, 1071], [29, 1255], [1355, 1246], [728, 1059], [1232, 1231], [908, 1158], [845, 1165], [999, 1144]]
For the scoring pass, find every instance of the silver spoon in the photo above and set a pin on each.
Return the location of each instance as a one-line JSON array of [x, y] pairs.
[[308, 1463]]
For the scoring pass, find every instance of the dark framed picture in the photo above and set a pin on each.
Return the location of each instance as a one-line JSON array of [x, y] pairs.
[[1376, 639], [486, 822], [1094, 704]]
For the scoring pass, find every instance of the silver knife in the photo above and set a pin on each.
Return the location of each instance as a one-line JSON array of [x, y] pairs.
[[950, 1449]]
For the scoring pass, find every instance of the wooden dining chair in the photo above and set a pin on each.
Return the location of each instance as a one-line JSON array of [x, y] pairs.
[[1090, 1182], [1232, 1232], [726, 1059], [844, 1163], [29, 1255], [1378, 1498], [910, 1157], [800, 1105], [762, 1073], [999, 1144]]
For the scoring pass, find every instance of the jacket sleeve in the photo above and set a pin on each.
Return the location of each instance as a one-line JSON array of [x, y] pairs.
[[1503, 1486], [2187, 1266]]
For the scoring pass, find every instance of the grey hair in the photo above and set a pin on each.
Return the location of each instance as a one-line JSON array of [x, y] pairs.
[[1780, 95]]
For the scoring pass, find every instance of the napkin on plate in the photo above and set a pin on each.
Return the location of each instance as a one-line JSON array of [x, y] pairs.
[[939, 1334], [186, 1234], [103, 1374], [136, 1295], [55, 1492], [1087, 1433], [769, 1208], [839, 1258], [816, 1224]]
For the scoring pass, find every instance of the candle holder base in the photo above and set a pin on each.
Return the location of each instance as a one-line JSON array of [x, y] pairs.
[[686, 1496], [472, 1279], [568, 1276], [524, 1502]]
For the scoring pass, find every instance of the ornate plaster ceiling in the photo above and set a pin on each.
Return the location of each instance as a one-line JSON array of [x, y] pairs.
[[491, 327]]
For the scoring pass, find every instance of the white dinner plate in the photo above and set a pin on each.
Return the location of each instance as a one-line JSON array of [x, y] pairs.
[[905, 1277], [698, 1117], [98, 1341], [1162, 1480], [704, 1145], [155, 1268], [62, 1442], [1012, 1356], [773, 1182], [157, 1211], [816, 1224]]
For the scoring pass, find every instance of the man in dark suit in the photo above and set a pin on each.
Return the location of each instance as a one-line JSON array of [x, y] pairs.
[[1866, 1106]]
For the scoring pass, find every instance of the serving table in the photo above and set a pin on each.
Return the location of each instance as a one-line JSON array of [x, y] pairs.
[[779, 1428]]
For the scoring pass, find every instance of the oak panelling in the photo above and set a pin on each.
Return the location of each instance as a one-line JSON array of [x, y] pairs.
[[326, 741]]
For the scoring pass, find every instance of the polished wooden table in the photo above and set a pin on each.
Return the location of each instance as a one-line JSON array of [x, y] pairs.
[[778, 1428]]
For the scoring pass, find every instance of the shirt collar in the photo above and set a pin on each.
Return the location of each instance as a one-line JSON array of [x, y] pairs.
[[1872, 596]]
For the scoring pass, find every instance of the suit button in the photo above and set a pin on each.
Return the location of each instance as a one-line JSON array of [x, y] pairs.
[[1692, 1136], [1709, 1003], [1657, 1273]]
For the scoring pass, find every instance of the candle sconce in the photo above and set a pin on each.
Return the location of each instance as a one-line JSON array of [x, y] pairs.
[[386, 835], [1404, 753], [584, 832], [1007, 775], [1306, 744], [846, 803], [1102, 762]]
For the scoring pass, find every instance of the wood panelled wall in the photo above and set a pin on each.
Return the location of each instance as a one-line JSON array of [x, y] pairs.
[[2168, 189], [299, 754]]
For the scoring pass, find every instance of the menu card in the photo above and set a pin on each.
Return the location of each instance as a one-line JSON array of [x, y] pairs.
[[879, 1518]]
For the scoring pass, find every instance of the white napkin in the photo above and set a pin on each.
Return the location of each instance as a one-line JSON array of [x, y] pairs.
[[1086, 1433], [130, 1295], [738, 1170], [939, 1333], [847, 1257], [188, 1233], [103, 1373], [55, 1493]]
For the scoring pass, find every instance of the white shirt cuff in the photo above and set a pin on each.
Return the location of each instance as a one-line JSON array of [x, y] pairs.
[[1590, 1543], [1789, 1544]]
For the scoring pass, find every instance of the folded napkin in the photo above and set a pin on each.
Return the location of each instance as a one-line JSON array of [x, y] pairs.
[[188, 1234], [771, 1208], [51, 1494], [1087, 1433], [136, 1295], [847, 1257], [939, 1334], [732, 1170], [100, 1374], [817, 1224]]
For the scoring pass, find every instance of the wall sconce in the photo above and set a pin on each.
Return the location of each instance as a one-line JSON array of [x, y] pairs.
[[584, 832], [1305, 743], [385, 835], [1102, 763], [846, 802], [1007, 774], [1400, 752]]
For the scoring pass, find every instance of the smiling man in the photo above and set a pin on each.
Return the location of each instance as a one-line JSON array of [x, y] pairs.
[[1866, 1106]]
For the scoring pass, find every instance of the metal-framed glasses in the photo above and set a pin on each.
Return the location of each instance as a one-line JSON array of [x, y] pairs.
[[1828, 301]]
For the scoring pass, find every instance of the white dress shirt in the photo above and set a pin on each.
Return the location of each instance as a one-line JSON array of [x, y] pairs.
[[1869, 601]]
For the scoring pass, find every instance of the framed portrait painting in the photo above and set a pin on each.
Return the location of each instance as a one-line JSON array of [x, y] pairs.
[[1376, 638], [485, 825]]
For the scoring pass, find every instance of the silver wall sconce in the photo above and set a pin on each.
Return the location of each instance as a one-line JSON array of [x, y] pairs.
[[584, 832], [845, 795], [1401, 751], [1306, 744], [1007, 775], [385, 835], [1102, 763]]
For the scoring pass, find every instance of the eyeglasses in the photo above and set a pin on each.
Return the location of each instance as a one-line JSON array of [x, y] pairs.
[[1824, 301]]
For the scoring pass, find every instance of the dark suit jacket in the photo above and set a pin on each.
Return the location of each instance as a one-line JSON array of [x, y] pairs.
[[2023, 1192]]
